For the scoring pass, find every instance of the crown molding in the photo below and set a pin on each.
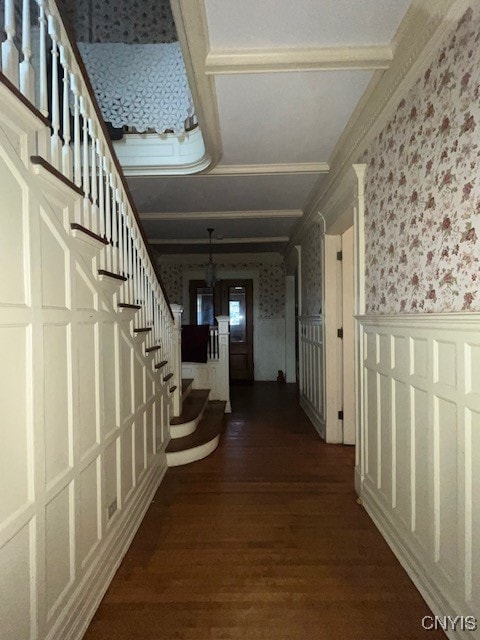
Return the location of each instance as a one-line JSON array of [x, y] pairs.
[[425, 25], [197, 241], [223, 215], [306, 59], [192, 30], [268, 169]]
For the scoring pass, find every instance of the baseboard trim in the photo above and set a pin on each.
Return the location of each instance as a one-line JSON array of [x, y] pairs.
[[429, 591], [85, 600], [313, 416]]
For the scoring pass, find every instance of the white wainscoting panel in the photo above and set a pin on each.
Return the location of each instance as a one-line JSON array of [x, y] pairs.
[[312, 370], [84, 418], [419, 463], [269, 348]]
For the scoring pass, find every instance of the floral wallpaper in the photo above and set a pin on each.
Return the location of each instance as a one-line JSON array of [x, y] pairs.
[[172, 277], [127, 21], [311, 270], [271, 298], [422, 223]]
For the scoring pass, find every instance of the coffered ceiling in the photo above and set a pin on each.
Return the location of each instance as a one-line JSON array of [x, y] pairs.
[[275, 84]]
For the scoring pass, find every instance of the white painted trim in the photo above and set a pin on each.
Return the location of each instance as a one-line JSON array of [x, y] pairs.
[[192, 30], [203, 241], [468, 321], [85, 600], [223, 215], [268, 169], [313, 415], [297, 59]]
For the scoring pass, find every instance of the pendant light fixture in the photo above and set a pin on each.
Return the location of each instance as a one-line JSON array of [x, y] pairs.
[[211, 269]]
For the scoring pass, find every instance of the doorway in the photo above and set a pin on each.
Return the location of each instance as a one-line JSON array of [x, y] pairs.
[[233, 298]]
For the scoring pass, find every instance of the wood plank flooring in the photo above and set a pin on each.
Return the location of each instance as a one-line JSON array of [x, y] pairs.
[[263, 540]]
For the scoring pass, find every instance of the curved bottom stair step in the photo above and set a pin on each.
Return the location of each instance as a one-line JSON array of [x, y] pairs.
[[192, 412], [202, 442]]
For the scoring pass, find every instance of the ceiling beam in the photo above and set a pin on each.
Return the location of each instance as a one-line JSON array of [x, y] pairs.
[[311, 59], [254, 240], [268, 169], [223, 215]]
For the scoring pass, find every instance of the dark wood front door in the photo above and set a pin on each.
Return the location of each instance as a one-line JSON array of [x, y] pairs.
[[233, 298], [237, 302]]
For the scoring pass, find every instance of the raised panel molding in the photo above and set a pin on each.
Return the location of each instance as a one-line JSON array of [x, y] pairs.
[[420, 431], [64, 526]]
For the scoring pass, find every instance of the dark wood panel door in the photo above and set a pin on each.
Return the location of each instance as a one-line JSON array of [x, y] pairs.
[[237, 303], [233, 298]]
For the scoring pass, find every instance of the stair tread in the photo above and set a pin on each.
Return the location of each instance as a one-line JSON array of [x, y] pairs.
[[186, 382], [161, 364], [192, 406], [78, 227], [208, 428], [39, 161]]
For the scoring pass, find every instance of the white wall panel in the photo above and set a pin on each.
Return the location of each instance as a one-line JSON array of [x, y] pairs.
[[55, 265], [12, 239], [57, 399], [16, 571], [87, 384], [70, 393], [15, 450], [59, 547], [420, 446]]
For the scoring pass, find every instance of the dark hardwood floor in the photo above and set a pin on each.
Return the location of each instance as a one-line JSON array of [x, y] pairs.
[[263, 540]]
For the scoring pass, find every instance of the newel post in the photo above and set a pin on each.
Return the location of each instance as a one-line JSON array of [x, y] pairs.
[[177, 311], [224, 360]]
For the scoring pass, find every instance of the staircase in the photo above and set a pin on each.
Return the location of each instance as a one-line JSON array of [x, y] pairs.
[[196, 432]]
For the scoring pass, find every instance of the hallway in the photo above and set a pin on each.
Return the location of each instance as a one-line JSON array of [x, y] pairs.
[[262, 540]]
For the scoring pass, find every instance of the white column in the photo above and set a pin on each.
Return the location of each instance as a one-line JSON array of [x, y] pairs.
[[176, 357], [224, 360]]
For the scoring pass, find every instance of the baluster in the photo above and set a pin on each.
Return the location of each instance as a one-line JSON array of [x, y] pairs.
[[55, 115], [101, 199], [114, 227], [9, 50], [27, 79], [93, 175], [85, 162], [43, 83], [120, 238], [66, 150], [77, 136], [129, 258], [108, 217]]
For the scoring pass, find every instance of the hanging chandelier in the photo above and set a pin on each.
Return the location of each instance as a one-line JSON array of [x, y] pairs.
[[211, 268]]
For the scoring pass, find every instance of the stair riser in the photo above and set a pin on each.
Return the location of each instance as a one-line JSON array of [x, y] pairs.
[[185, 429], [179, 458]]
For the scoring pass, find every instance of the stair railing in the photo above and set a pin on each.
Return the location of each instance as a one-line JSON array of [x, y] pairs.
[[40, 58]]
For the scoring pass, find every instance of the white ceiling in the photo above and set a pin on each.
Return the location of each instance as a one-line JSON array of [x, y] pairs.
[[221, 193], [290, 117], [271, 116], [258, 24]]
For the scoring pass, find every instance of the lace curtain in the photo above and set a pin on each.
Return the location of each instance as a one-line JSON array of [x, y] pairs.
[[140, 85]]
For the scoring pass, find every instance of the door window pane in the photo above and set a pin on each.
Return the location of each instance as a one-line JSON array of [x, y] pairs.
[[237, 313], [205, 309]]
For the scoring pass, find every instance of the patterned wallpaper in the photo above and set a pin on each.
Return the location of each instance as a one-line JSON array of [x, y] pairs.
[[423, 188], [127, 21], [271, 298], [311, 269]]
